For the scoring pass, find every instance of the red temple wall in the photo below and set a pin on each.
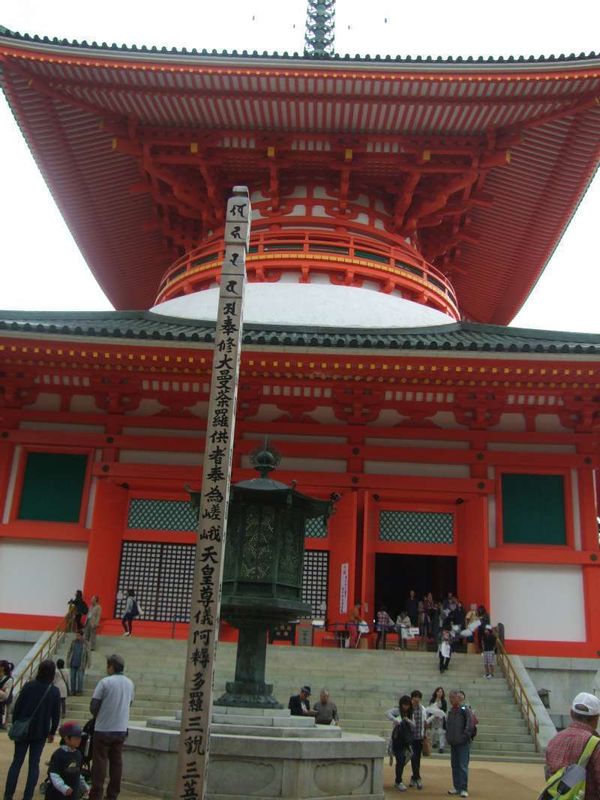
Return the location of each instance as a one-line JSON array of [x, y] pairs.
[[329, 457]]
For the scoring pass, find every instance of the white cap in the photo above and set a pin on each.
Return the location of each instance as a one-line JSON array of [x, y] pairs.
[[588, 705]]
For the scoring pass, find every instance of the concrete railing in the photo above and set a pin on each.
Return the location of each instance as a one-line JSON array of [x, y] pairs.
[[44, 648], [536, 716]]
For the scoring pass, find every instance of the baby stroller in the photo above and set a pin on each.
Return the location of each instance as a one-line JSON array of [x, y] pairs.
[[86, 750]]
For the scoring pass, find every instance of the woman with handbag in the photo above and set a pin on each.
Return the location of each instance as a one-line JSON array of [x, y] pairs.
[[35, 718]]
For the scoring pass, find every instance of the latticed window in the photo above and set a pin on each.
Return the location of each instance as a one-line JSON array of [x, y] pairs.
[[315, 581], [316, 528], [162, 515], [179, 515], [427, 527], [161, 574]]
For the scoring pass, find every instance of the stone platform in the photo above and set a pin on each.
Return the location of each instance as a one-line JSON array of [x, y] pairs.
[[261, 753]]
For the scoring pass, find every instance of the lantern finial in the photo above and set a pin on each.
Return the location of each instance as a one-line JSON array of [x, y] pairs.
[[265, 459]]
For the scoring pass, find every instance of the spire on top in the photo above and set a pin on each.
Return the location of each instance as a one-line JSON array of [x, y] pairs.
[[320, 28]]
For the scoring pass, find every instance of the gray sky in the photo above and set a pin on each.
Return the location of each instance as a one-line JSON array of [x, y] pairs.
[[41, 265]]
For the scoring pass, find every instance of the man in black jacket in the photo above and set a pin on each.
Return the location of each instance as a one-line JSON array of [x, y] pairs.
[[299, 704], [460, 728], [38, 701]]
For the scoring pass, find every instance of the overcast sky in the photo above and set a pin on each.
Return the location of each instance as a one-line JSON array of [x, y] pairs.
[[41, 265]]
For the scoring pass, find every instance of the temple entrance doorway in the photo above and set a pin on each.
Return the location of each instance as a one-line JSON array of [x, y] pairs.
[[397, 574]]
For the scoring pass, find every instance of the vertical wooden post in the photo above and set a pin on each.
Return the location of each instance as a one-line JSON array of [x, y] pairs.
[[194, 742]]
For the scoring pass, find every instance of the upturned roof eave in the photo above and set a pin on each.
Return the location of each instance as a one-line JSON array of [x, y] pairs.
[[460, 339], [431, 64]]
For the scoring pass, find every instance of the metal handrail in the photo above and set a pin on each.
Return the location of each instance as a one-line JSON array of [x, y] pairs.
[[519, 693], [43, 652]]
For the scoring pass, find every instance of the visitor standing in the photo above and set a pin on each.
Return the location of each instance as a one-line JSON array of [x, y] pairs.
[[436, 717], [6, 690], [383, 623], [110, 705], [412, 608], [418, 717], [567, 746], [132, 610], [402, 737], [78, 660], [38, 702], [460, 727], [489, 644], [62, 684], [78, 608], [326, 712], [92, 621], [445, 651]]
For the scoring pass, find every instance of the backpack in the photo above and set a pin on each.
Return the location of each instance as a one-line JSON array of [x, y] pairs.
[[135, 609], [402, 734], [466, 711], [568, 782]]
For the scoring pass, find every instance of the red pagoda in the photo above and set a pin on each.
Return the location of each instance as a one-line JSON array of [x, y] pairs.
[[403, 211]]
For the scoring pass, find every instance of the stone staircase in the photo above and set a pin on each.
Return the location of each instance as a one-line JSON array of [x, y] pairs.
[[363, 683]]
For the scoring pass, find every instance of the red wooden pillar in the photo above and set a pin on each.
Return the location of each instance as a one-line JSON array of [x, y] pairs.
[[342, 551], [587, 510], [104, 551], [370, 532], [473, 553]]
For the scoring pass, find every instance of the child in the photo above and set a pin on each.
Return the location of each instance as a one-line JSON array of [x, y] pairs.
[[64, 771], [61, 681]]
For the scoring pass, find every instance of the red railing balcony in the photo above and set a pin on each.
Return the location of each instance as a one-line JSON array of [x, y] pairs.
[[347, 258]]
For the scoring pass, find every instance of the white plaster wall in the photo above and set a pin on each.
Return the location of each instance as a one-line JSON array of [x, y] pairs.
[[60, 426], [516, 447], [292, 437], [416, 443], [45, 402], [311, 304], [303, 464], [159, 457], [540, 602], [510, 422], [426, 470], [177, 433], [549, 423], [39, 577]]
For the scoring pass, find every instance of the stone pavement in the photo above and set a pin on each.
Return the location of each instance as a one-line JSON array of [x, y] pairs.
[[488, 780]]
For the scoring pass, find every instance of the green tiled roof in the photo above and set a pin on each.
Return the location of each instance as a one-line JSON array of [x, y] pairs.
[[146, 326], [173, 51]]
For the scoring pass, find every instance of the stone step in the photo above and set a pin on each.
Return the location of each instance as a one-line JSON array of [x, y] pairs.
[[364, 685]]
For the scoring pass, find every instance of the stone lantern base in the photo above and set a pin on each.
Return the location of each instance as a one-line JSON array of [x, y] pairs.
[[261, 753]]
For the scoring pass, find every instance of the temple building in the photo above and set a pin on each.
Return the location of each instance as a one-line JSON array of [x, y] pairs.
[[402, 212]]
